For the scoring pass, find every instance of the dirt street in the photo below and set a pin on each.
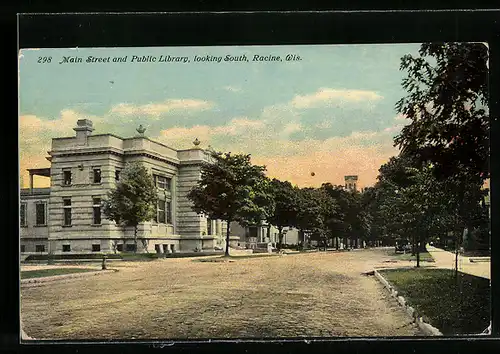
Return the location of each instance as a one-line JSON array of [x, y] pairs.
[[310, 295]]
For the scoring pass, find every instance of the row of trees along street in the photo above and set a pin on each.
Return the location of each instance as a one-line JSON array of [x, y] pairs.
[[432, 189], [232, 189]]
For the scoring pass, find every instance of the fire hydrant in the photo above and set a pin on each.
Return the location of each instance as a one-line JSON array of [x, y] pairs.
[[104, 262]]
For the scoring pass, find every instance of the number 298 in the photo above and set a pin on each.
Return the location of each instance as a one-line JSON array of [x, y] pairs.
[[44, 60]]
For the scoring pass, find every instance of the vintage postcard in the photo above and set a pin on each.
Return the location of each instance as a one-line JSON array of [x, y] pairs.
[[259, 192]]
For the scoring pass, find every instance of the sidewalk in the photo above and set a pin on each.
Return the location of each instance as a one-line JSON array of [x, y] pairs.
[[445, 259]]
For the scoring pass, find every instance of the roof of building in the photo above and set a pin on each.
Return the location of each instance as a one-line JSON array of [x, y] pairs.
[[45, 172]]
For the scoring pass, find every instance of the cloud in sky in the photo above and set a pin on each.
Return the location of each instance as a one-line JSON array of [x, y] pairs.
[[156, 109], [330, 159], [332, 111], [361, 152], [265, 136], [330, 97]]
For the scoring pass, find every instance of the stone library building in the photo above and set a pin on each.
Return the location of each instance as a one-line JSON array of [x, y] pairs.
[[67, 216]]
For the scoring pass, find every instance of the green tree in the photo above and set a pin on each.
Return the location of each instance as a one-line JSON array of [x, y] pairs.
[[351, 220], [414, 203], [447, 105], [424, 202], [447, 86], [340, 224], [309, 218], [232, 189], [465, 211], [286, 206], [134, 199], [391, 218]]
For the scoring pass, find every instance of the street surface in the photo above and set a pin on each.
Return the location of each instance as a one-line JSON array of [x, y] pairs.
[[308, 294]]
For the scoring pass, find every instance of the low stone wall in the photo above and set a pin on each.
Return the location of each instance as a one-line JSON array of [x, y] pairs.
[[426, 328]]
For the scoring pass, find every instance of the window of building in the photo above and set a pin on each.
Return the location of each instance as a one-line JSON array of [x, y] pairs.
[[160, 212], [162, 182], [23, 248], [252, 231], [97, 175], [209, 226], [172, 248], [96, 206], [96, 248], [67, 177], [119, 247], [66, 248], [40, 214], [130, 247], [169, 213], [117, 175], [40, 248], [23, 214], [67, 211]]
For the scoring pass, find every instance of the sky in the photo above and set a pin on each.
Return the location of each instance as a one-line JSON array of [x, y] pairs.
[[329, 110]]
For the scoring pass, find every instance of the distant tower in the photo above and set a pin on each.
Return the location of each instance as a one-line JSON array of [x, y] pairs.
[[351, 182]]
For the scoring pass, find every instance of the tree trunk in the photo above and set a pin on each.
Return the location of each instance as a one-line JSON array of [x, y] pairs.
[[135, 237], [227, 239]]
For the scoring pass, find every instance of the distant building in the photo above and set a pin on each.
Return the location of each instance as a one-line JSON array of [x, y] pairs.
[[67, 217], [351, 182], [252, 236]]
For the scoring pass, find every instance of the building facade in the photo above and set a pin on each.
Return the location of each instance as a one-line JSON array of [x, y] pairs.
[[67, 217]]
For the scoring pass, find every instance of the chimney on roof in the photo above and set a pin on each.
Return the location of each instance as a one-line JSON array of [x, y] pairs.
[[83, 129]]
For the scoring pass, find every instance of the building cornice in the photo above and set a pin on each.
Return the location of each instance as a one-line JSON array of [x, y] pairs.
[[67, 153], [121, 153], [151, 156]]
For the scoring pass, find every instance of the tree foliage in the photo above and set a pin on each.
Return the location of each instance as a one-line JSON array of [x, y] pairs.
[[434, 186], [286, 206], [447, 100], [232, 189], [134, 199]]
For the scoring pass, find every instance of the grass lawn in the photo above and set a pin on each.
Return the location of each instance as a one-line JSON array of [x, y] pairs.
[[424, 257], [454, 306], [26, 274]]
